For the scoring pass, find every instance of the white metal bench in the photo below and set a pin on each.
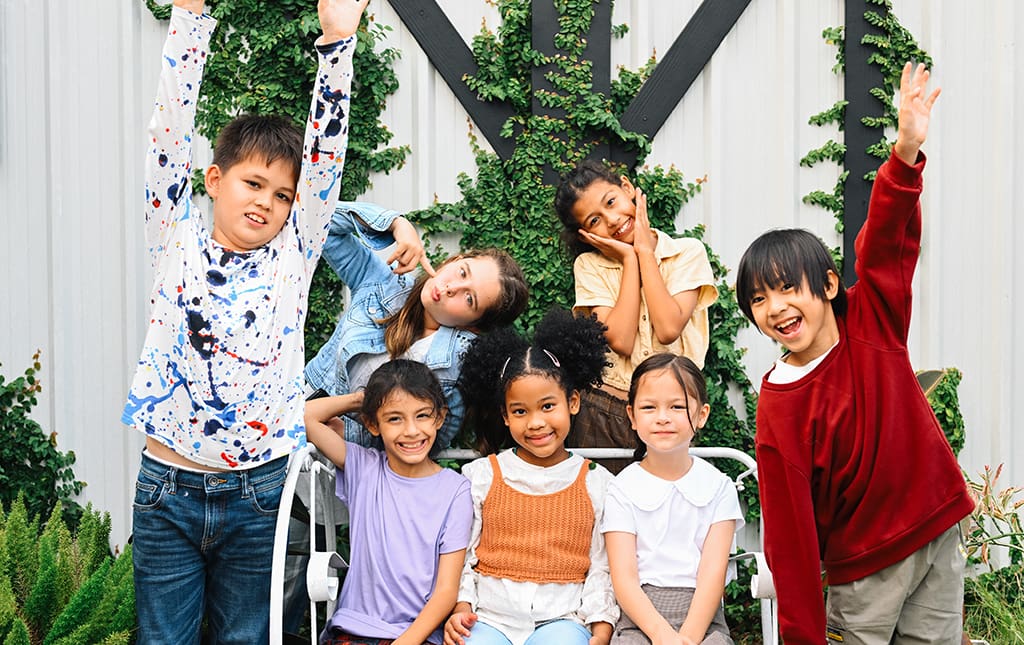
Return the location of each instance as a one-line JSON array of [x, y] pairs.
[[321, 577]]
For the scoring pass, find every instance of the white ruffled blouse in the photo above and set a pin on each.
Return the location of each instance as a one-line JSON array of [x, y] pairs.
[[670, 519]]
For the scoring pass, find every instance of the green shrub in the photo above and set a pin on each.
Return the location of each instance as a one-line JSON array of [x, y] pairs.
[[59, 588], [30, 464], [994, 606]]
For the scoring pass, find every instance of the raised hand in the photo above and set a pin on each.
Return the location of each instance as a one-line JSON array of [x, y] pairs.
[[195, 6], [409, 249], [915, 111], [339, 19]]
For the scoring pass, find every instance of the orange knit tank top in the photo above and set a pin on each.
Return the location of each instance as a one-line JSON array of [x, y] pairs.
[[536, 538]]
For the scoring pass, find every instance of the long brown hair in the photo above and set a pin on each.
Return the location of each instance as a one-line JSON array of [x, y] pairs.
[[405, 326]]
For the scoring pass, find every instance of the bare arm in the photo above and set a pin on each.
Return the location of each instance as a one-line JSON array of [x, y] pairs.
[[622, 318], [714, 561], [442, 600], [669, 313], [324, 429], [632, 599]]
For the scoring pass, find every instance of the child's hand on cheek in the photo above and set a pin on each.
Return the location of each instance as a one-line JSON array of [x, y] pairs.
[[608, 247], [644, 239], [339, 19]]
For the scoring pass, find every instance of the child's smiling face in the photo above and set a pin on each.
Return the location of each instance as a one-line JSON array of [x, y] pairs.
[[539, 416], [251, 201], [801, 321], [607, 210], [664, 415], [408, 426]]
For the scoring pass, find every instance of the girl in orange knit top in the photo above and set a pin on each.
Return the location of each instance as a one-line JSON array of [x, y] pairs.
[[536, 569]]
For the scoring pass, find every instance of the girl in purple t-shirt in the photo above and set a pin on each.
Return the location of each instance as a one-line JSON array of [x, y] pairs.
[[409, 518]]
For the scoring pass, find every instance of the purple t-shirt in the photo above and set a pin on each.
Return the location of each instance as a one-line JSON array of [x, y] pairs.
[[398, 528]]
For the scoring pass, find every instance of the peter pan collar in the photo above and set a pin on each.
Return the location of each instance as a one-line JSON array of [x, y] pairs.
[[699, 486]]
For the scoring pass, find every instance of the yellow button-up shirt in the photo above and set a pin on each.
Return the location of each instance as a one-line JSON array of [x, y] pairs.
[[683, 264]]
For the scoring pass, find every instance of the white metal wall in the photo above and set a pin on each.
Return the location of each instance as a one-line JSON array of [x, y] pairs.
[[76, 81]]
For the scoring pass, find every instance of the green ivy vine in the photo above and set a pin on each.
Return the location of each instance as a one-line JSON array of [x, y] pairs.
[[894, 46], [508, 205]]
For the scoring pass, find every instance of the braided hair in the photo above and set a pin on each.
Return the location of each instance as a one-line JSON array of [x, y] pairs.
[[569, 350]]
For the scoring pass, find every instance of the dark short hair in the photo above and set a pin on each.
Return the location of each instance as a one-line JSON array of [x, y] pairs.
[[267, 138], [573, 183], [412, 377], [788, 255]]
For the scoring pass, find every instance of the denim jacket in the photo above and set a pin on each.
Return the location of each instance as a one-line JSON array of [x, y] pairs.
[[357, 230]]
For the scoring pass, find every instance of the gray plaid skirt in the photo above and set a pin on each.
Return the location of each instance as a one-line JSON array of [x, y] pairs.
[[673, 603]]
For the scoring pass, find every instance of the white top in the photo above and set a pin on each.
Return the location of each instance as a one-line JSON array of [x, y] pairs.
[[786, 373], [670, 519], [219, 380], [516, 608]]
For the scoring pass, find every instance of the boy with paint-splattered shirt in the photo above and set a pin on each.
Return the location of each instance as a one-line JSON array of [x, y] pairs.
[[218, 387]]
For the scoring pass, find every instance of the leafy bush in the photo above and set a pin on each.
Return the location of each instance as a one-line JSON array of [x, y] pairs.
[[59, 589], [30, 463], [994, 605]]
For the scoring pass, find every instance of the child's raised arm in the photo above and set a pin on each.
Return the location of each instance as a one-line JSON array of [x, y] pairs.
[[323, 427], [168, 168], [915, 112]]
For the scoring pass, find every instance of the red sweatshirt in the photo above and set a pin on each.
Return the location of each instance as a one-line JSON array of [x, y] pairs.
[[854, 471]]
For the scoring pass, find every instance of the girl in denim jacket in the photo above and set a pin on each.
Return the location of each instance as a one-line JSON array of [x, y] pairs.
[[430, 319]]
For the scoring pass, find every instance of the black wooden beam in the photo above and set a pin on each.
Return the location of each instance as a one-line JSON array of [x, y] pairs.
[[674, 74], [544, 27], [452, 59], [860, 78]]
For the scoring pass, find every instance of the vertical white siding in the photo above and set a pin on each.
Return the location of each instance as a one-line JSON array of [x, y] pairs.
[[76, 84]]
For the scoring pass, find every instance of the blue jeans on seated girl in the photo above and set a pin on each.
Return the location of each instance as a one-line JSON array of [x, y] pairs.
[[203, 544], [557, 632]]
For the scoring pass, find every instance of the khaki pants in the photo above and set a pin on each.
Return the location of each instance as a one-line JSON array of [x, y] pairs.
[[917, 600]]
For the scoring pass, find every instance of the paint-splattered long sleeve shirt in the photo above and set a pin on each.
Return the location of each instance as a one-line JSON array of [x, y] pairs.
[[220, 379]]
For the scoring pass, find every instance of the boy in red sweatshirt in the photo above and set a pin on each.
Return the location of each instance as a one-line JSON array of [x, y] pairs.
[[855, 474]]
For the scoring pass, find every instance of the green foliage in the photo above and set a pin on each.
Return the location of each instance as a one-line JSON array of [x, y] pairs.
[[995, 523], [994, 605], [19, 634], [56, 588], [742, 614], [894, 46], [262, 61], [30, 463], [945, 401]]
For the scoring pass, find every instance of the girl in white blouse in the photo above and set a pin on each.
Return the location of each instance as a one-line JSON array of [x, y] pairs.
[[670, 518]]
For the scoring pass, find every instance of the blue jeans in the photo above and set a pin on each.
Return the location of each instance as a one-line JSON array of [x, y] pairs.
[[203, 545], [557, 632]]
